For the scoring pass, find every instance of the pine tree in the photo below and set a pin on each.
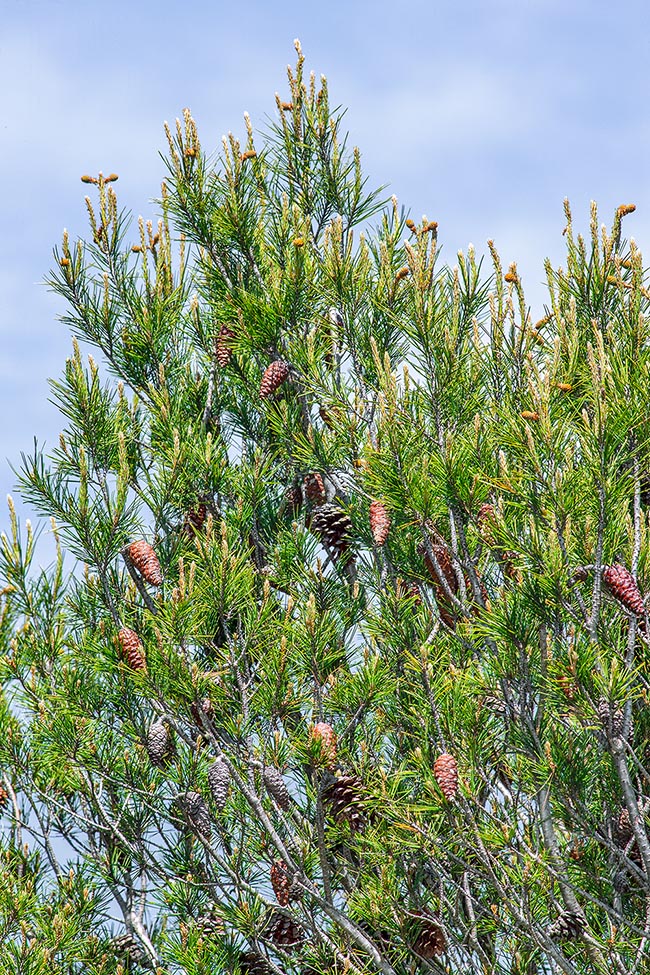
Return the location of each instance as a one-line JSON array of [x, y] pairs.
[[391, 607]]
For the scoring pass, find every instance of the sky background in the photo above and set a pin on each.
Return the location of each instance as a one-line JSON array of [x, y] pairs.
[[482, 115]]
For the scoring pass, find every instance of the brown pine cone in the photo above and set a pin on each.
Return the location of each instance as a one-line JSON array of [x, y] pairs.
[[323, 736], [219, 782], [250, 963], [343, 794], [158, 743], [443, 558], [274, 375], [426, 936], [194, 520], [4, 795], [568, 926], [332, 525], [612, 719], [132, 648], [275, 786], [196, 813], [145, 560], [223, 349], [622, 585], [445, 770], [379, 522], [283, 887], [284, 932], [315, 488]]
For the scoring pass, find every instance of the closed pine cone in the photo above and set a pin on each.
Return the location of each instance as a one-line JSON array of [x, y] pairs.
[[224, 346], [332, 525], [343, 795], [274, 375], [194, 520], [145, 560], [612, 719], [132, 648], [445, 770], [195, 809], [323, 735], [443, 558], [275, 785], [426, 935], [219, 782], [284, 889], [379, 522], [315, 488], [158, 743], [622, 586]]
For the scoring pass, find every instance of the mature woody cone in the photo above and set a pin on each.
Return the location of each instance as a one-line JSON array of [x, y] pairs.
[[441, 553], [158, 743], [132, 648], [211, 922], [274, 375], [379, 522], [445, 770], [125, 946], [622, 586], [145, 560], [251, 963], [219, 782], [323, 735], [343, 795], [612, 719], [195, 809], [275, 786], [332, 525], [284, 932], [223, 350], [284, 889], [293, 499], [568, 927], [426, 935], [194, 520], [4, 795]]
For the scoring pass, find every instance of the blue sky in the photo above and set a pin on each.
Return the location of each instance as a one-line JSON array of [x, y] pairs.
[[483, 116]]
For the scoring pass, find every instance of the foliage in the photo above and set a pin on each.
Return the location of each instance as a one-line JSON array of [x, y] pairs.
[[512, 463]]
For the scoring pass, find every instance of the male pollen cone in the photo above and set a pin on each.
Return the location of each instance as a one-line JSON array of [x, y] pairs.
[[146, 562], [274, 375], [622, 586], [445, 770], [379, 522]]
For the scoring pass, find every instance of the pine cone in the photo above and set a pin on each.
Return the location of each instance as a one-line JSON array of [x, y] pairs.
[[333, 526], [315, 488], [158, 743], [274, 375], [201, 709], [409, 590], [379, 522], [251, 963], [4, 795], [284, 932], [145, 560], [283, 887], [219, 782], [293, 499], [132, 648], [612, 720], [323, 737], [343, 795], [211, 922], [443, 558], [125, 946], [223, 346], [445, 770], [195, 809], [275, 786], [622, 586], [425, 934], [569, 926], [194, 520], [486, 520]]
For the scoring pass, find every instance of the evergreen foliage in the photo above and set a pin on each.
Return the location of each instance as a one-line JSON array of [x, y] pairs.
[[387, 710]]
